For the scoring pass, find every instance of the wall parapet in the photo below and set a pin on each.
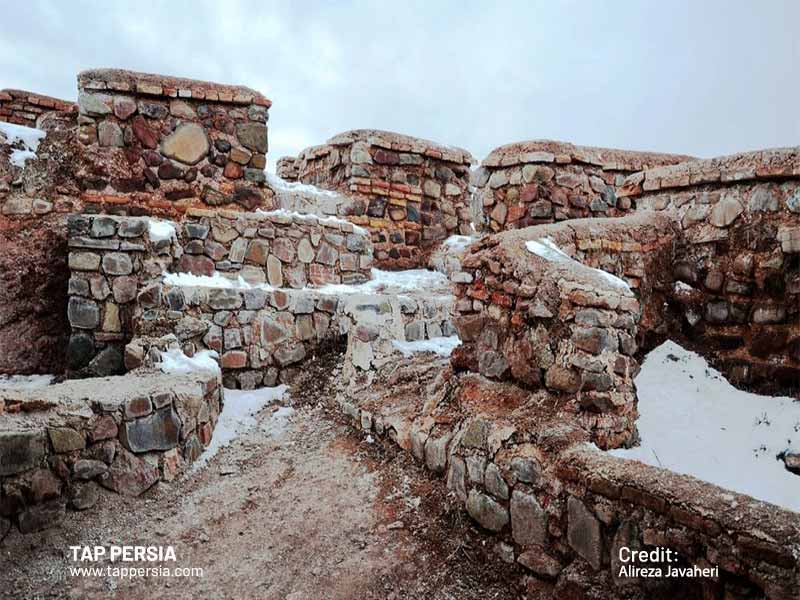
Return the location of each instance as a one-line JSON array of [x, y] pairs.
[[26, 108], [542, 181], [166, 143], [410, 193]]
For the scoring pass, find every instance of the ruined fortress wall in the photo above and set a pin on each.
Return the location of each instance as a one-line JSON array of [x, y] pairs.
[[281, 248], [531, 183], [123, 433], [28, 109], [553, 318], [410, 193], [158, 145], [737, 270], [111, 262]]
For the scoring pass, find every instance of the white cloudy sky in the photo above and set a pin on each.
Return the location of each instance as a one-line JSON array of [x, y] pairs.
[[701, 77]]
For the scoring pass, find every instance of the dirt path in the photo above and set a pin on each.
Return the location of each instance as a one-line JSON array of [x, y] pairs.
[[312, 512]]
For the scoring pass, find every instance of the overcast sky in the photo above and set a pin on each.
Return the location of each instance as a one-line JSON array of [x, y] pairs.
[[703, 77]]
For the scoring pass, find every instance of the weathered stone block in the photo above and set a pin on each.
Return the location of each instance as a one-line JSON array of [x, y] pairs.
[[528, 519], [487, 512], [583, 533], [159, 431]]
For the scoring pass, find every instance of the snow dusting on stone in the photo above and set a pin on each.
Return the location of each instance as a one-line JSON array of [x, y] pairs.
[[548, 250], [26, 381]]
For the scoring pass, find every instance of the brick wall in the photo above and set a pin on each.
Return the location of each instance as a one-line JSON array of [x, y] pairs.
[[26, 108]]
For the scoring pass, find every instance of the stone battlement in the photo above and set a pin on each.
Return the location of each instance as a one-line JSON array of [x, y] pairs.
[[542, 181], [148, 84], [410, 193], [26, 108]]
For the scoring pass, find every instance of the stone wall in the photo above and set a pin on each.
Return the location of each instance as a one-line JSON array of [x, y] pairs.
[[58, 443], [410, 193], [284, 249], [158, 145], [737, 270], [111, 261], [530, 183], [556, 319], [519, 464], [28, 109]]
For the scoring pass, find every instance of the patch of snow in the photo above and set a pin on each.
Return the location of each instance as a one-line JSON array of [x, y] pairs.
[[680, 286], [459, 242], [217, 280], [443, 346], [282, 212], [278, 421], [26, 381], [400, 281], [175, 361], [280, 184], [28, 136], [161, 230], [238, 416], [692, 421], [547, 249]]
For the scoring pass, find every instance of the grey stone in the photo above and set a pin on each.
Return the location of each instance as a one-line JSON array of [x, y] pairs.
[[83, 313], [84, 261], [487, 512], [476, 465], [725, 212], [94, 104], [762, 200], [455, 478], [21, 451], [274, 271], [103, 227], [627, 536], [189, 327], [224, 299], [80, 350], [78, 287], [110, 134], [88, 469], [253, 136], [528, 519], [255, 299], [129, 475], [526, 469], [583, 532], [436, 453], [495, 484], [109, 361], [117, 263], [159, 431], [289, 353]]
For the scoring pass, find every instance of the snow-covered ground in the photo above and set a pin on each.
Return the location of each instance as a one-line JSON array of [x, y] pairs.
[[443, 346], [161, 230], [26, 381], [239, 416], [29, 137], [692, 421]]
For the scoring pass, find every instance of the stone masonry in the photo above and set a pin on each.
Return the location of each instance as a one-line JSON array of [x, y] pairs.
[[282, 248], [59, 443], [166, 143], [737, 271], [530, 183], [410, 193], [29, 109]]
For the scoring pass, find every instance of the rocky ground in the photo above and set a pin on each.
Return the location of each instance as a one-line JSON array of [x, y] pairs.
[[314, 511]]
